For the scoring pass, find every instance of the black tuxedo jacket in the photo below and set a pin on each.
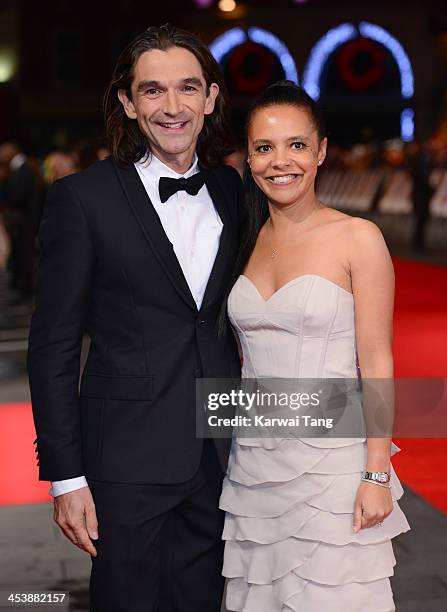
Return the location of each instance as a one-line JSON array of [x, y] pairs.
[[108, 269]]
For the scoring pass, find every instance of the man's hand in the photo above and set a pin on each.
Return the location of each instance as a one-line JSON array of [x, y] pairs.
[[75, 514]]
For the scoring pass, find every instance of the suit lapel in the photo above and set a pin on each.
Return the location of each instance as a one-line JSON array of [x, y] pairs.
[[154, 233], [220, 263]]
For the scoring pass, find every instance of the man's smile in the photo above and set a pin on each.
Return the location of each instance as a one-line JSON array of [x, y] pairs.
[[172, 126]]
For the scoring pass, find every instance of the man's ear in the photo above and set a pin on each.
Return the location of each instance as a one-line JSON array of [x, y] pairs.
[[211, 98], [128, 106]]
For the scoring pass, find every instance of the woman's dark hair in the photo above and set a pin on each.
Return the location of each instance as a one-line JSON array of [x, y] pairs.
[[126, 142], [257, 211]]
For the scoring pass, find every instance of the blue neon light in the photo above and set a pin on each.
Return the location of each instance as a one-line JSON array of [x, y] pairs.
[[321, 52], [375, 32], [272, 42], [340, 35], [227, 41], [407, 125]]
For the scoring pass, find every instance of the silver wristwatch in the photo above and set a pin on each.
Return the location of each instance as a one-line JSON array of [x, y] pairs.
[[381, 477]]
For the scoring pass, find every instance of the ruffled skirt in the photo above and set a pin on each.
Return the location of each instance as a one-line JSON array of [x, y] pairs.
[[288, 529]]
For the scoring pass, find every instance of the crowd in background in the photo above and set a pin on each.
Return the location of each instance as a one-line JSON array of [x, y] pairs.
[[422, 162], [25, 179]]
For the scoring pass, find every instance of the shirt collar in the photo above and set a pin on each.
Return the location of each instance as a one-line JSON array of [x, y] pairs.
[[154, 168]]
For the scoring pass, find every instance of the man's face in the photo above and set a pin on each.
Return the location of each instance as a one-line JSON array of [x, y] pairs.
[[169, 102]]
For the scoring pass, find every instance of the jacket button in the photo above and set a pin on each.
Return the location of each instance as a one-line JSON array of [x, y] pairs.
[[197, 373], [202, 322]]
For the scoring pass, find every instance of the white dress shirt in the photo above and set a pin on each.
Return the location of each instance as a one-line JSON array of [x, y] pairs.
[[193, 226]]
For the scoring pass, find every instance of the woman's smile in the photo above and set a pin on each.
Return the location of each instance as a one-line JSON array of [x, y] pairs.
[[284, 180]]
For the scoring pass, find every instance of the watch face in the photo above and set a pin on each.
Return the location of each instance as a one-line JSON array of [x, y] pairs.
[[382, 477]]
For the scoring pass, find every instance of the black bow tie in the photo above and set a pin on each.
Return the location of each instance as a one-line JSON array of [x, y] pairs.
[[192, 185]]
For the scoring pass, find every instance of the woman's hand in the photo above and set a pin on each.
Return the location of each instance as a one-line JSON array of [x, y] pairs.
[[372, 505]]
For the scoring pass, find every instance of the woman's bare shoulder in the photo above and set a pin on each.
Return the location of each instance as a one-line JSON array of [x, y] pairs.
[[357, 228], [363, 230]]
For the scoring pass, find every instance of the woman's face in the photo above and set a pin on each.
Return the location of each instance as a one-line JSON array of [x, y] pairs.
[[283, 153]]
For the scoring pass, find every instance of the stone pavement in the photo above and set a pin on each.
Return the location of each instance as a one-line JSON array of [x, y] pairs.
[[34, 554]]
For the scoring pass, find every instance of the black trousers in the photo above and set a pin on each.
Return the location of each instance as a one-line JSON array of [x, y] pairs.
[[159, 546]]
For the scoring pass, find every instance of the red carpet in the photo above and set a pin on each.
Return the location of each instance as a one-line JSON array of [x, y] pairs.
[[420, 350], [420, 347], [420, 323], [19, 473]]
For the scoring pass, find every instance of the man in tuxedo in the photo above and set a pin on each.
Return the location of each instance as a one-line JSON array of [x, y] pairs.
[[137, 252], [23, 197]]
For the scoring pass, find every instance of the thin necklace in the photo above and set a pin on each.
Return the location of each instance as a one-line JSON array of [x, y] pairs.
[[273, 250]]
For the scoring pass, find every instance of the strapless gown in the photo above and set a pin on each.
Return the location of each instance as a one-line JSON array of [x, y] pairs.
[[289, 502]]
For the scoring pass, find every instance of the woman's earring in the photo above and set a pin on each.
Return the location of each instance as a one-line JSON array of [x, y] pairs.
[[320, 161]]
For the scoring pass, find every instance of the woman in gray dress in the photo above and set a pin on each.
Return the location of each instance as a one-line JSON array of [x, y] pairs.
[[309, 521]]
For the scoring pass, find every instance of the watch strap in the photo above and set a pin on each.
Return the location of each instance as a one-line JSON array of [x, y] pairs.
[[382, 477]]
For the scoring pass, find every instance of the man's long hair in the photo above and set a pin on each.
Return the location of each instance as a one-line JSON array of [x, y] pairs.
[[126, 142]]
